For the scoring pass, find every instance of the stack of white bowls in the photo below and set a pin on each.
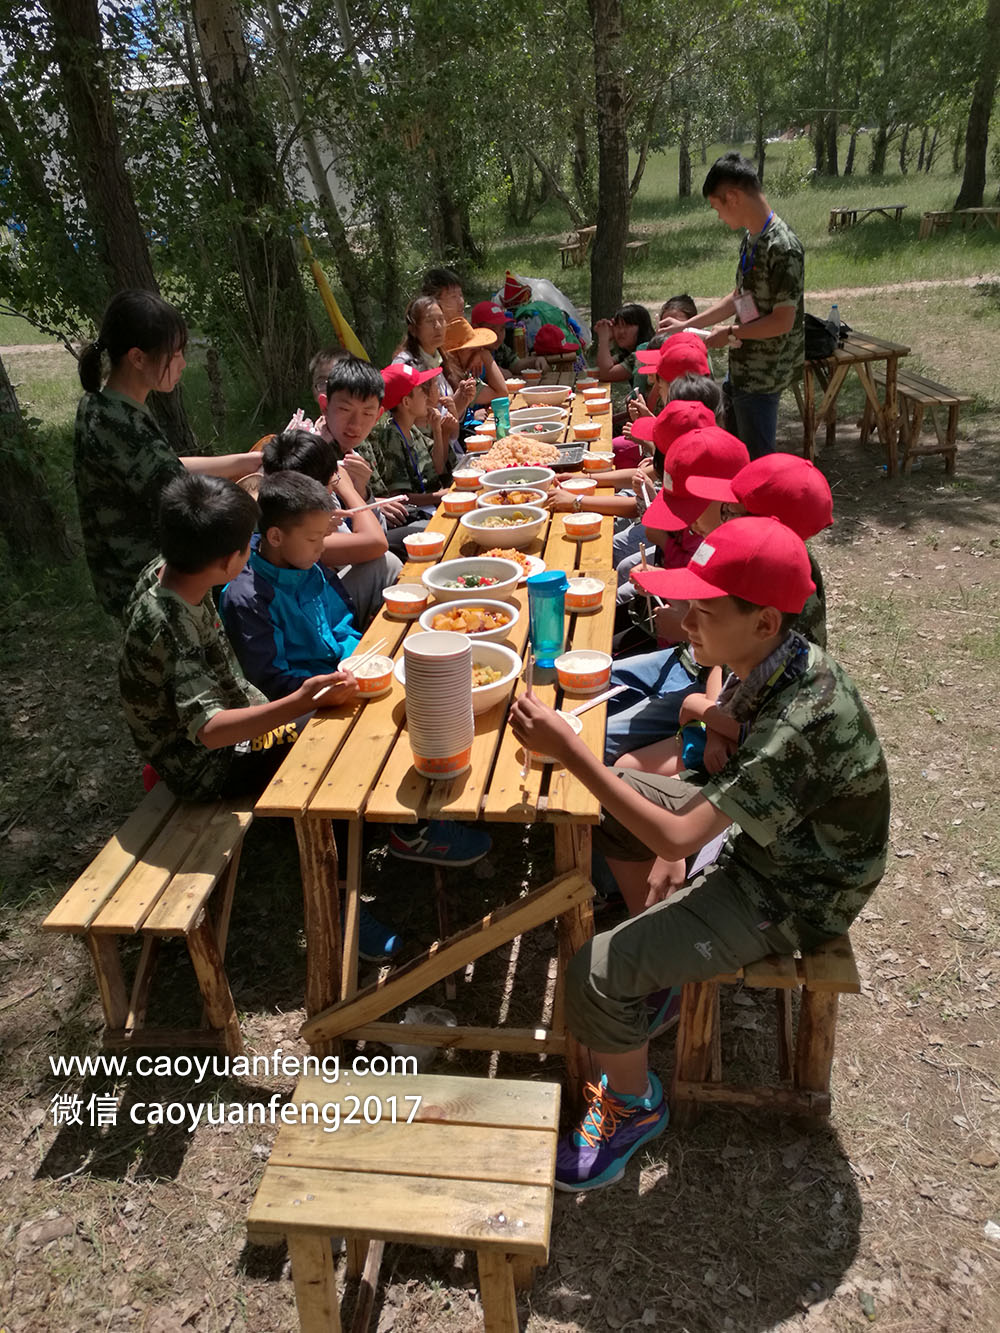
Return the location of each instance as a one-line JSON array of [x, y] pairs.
[[439, 702]]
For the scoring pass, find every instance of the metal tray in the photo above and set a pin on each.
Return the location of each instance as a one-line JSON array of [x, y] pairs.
[[570, 455]]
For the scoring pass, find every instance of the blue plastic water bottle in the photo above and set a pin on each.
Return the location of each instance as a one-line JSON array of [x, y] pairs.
[[547, 615], [501, 415]]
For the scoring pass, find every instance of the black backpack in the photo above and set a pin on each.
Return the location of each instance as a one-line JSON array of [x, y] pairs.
[[821, 341]]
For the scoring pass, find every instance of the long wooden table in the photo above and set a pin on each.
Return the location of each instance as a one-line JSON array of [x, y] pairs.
[[354, 763], [860, 352]]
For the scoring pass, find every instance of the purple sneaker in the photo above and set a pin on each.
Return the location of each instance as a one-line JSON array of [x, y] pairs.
[[663, 1010], [613, 1128]]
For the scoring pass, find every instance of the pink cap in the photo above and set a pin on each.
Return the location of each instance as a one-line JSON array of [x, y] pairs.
[[708, 452], [781, 486]]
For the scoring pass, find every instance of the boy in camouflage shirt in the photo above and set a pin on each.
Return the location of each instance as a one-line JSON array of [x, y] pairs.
[[767, 353], [194, 717], [805, 799]]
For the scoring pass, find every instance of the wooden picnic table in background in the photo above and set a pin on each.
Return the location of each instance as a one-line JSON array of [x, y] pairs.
[[850, 215], [860, 351], [355, 763], [969, 219]]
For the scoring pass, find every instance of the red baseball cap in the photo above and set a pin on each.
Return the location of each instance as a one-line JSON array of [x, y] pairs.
[[551, 339], [676, 419], [400, 380], [489, 314], [682, 354], [781, 486], [758, 559], [707, 452]]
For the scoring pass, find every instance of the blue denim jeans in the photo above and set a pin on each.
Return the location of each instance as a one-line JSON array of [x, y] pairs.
[[649, 710], [752, 418]]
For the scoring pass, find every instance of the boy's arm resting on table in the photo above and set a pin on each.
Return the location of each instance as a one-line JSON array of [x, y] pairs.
[[667, 835], [231, 725], [229, 466]]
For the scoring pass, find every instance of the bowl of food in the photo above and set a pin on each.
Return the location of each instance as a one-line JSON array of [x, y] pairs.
[[465, 479], [538, 478], [588, 382], [495, 667], [595, 390], [507, 526], [478, 443], [476, 617], [531, 376], [582, 670], [580, 485], [587, 431], [581, 527], [487, 427], [546, 395], [405, 600], [595, 407], [374, 677], [527, 564], [456, 580], [537, 416], [457, 503], [574, 723], [584, 594], [514, 386], [424, 545], [505, 496], [594, 462], [546, 431], [520, 451]]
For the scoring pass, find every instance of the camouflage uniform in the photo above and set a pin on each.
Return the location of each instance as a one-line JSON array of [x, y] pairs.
[[776, 278], [121, 464], [808, 792], [393, 470], [177, 670]]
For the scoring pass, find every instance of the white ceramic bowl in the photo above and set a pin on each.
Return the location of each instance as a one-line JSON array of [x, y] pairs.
[[496, 655], [506, 572], [509, 609], [526, 416], [543, 431], [548, 395], [514, 534], [503, 478], [487, 498]]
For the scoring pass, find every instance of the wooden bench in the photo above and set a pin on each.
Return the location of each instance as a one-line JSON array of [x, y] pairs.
[[474, 1169], [850, 216], [154, 878], [804, 1063], [637, 249], [916, 394], [969, 219]]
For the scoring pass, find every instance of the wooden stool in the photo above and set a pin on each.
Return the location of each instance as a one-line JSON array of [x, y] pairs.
[[803, 1065], [473, 1169]]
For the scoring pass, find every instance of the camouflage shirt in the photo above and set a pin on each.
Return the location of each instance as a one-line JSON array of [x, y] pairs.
[[809, 791], [774, 277], [121, 463], [399, 465], [177, 670], [811, 623]]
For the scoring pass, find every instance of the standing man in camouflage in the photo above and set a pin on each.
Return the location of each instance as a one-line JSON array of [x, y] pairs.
[[766, 355], [803, 801]]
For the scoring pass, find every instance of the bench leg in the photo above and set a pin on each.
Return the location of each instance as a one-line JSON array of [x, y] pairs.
[[110, 980], [524, 1272], [575, 928], [867, 421], [444, 925], [371, 1252], [496, 1286], [696, 1057], [816, 1037], [321, 912], [783, 1008], [214, 984], [352, 909], [315, 1283], [808, 413], [951, 439], [143, 981]]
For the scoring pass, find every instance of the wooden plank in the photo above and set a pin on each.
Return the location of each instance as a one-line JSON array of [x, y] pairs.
[[165, 1039], [511, 797], [815, 1041], [214, 984], [418, 1210], [365, 1304], [438, 1151], [695, 1035], [774, 970], [315, 1283], [321, 915], [342, 792], [832, 967], [482, 937], [137, 895], [198, 873], [88, 894], [496, 1288], [522, 1040], [790, 1101], [106, 957], [452, 1099]]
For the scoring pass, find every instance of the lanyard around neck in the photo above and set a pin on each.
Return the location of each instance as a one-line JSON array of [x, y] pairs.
[[747, 264], [414, 467]]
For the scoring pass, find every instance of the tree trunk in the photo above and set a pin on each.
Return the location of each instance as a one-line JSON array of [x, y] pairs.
[[977, 131], [684, 157], [647, 134], [852, 148], [922, 150], [582, 178], [29, 522], [348, 268], [276, 309], [880, 145], [760, 144], [550, 179], [956, 150], [928, 160], [122, 253], [607, 256], [835, 73], [903, 144]]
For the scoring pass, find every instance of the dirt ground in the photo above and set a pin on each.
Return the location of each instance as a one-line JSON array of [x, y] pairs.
[[888, 1215]]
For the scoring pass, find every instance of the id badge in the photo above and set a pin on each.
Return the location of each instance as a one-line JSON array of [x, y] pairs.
[[746, 308]]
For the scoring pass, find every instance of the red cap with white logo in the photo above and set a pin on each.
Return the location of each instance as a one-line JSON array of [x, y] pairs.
[[708, 452], [781, 486], [400, 380]]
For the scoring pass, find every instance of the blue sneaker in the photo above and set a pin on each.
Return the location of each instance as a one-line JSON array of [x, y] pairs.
[[663, 1010], [376, 943], [439, 843], [614, 1127]]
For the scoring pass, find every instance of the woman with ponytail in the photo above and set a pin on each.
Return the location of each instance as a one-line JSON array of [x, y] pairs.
[[121, 462]]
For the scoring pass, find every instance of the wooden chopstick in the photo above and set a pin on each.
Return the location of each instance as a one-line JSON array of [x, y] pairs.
[[359, 661]]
